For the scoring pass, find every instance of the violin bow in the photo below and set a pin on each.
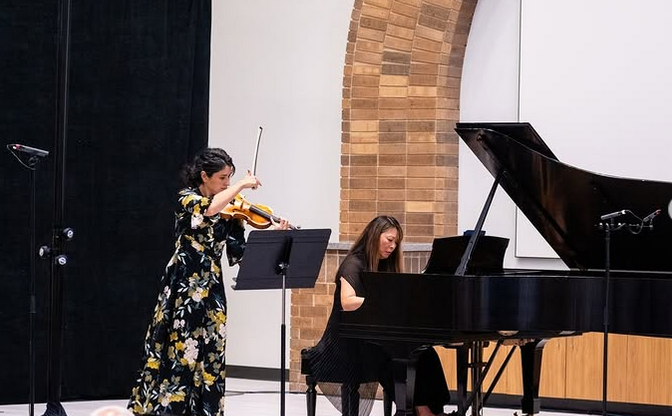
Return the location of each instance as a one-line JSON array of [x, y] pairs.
[[254, 172], [256, 151]]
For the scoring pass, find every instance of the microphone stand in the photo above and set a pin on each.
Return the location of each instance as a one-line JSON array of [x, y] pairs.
[[60, 234], [608, 227], [31, 293], [31, 165]]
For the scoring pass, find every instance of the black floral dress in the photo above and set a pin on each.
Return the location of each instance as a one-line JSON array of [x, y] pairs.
[[183, 364]]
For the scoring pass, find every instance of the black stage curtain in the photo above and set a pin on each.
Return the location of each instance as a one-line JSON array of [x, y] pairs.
[[138, 110]]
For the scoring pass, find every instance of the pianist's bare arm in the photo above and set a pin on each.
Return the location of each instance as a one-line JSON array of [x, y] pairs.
[[349, 299]]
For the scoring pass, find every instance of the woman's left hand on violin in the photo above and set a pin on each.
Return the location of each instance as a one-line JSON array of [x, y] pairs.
[[282, 225]]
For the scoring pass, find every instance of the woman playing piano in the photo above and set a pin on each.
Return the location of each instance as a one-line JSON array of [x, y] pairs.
[[348, 371]]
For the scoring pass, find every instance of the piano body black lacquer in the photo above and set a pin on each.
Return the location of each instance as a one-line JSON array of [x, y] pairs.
[[464, 306]]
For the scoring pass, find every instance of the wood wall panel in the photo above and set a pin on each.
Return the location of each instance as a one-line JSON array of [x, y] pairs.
[[649, 371], [640, 369]]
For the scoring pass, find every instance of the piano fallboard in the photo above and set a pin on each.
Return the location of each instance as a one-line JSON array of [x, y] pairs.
[[437, 308]]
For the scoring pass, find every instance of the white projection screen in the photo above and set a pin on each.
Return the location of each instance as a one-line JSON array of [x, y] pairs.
[[596, 83]]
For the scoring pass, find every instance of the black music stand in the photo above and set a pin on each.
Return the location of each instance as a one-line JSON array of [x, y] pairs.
[[280, 260]]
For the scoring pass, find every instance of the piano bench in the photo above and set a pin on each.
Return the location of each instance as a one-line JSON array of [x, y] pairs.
[[351, 397]]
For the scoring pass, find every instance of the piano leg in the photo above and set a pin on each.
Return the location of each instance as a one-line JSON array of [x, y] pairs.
[[350, 399], [404, 383], [462, 358], [311, 395], [387, 404], [531, 354]]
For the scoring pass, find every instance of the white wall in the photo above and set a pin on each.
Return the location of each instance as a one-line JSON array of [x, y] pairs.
[[593, 79], [278, 65], [489, 92], [579, 71], [600, 93]]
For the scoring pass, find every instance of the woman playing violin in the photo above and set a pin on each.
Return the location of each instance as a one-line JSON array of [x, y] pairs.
[[183, 362]]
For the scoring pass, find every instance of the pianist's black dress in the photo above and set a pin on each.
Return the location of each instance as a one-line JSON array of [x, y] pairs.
[[341, 365]]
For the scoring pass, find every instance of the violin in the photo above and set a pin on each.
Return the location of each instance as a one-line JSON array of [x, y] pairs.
[[258, 216]]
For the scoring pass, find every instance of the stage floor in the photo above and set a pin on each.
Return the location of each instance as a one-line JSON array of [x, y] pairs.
[[243, 398]]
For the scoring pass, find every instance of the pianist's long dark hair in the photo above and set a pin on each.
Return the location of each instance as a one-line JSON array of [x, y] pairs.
[[368, 243]]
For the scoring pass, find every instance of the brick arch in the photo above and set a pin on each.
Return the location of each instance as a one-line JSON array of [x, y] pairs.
[[401, 88]]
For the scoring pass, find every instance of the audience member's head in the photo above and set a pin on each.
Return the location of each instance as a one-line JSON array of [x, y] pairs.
[[111, 411]]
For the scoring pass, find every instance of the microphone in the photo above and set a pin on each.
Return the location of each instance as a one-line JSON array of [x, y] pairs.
[[27, 149], [613, 215], [651, 216]]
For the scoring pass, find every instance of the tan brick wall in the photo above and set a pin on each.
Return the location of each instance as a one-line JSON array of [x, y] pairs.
[[401, 88]]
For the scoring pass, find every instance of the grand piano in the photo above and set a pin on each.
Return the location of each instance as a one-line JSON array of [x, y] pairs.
[[605, 229]]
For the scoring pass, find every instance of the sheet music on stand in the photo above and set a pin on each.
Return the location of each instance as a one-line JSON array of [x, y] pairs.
[[279, 260]]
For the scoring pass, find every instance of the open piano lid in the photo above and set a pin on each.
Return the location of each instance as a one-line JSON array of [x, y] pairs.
[[565, 203]]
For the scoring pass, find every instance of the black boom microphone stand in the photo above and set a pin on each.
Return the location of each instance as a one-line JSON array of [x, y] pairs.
[[35, 155], [608, 225], [60, 234]]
